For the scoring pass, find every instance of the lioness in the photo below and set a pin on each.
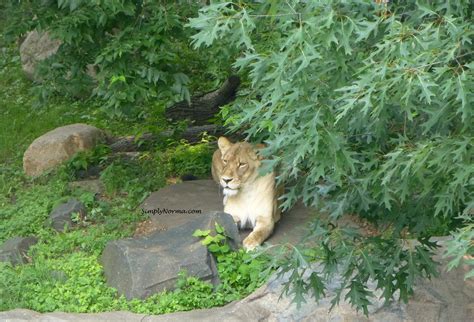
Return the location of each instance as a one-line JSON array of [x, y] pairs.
[[250, 199]]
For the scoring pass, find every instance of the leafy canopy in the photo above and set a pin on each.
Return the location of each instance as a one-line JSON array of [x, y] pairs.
[[366, 108]]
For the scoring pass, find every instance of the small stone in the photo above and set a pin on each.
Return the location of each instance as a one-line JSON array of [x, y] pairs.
[[14, 249], [62, 214]]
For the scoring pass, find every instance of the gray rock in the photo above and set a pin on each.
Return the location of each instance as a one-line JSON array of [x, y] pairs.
[[36, 47], [206, 196], [62, 214], [201, 196], [59, 145], [14, 249], [19, 315], [140, 267]]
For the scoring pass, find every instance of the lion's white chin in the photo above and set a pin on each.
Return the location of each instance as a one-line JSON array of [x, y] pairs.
[[230, 192]]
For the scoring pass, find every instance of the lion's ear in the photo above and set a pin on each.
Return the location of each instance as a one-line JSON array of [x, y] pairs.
[[254, 155], [259, 147], [224, 144]]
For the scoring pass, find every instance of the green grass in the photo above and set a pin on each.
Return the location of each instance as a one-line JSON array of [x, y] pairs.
[[65, 273], [19, 123]]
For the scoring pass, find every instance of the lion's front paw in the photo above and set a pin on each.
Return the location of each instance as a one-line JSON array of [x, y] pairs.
[[236, 220], [250, 243]]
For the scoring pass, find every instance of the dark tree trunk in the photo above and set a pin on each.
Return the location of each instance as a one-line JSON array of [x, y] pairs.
[[192, 134], [204, 107]]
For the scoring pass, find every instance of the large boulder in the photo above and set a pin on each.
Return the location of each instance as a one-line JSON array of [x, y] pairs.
[[36, 47], [140, 267], [59, 145], [14, 249]]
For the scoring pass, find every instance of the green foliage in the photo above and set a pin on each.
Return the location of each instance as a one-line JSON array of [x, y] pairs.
[[20, 124], [136, 178], [66, 275], [185, 158], [73, 283], [366, 108], [461, 247], [364, 260], [83, 159], [24, 211], [138, 49], [240, 272]]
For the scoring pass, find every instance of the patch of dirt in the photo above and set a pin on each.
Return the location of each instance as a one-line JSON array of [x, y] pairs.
[[147, 227], [367, 228]]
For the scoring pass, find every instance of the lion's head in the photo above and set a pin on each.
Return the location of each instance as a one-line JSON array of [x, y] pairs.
[[239, 163]]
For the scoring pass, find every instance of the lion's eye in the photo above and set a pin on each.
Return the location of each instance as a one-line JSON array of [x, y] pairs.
[[224, 161], [241, 164]]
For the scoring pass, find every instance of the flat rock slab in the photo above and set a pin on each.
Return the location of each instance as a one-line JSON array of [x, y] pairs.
[[202, 196], [140, 267], [194, 197]]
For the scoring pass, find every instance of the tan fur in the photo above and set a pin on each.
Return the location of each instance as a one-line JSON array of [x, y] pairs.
[[250, 199]]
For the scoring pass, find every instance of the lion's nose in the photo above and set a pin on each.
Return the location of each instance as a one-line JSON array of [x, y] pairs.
[[226, 180]]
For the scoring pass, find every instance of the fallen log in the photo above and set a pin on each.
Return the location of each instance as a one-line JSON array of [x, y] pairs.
[[204, 107]]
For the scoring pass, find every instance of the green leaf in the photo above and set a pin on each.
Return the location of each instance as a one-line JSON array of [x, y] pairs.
[[425, 86], [201, 233], [214, 248], [317, 286], [219, 228], [207, 240]]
